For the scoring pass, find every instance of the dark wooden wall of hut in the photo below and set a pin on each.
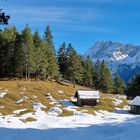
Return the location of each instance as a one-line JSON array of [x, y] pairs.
[[135, 109], [89, 102]]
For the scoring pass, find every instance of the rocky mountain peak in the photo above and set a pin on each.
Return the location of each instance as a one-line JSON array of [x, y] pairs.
[[120, 57]]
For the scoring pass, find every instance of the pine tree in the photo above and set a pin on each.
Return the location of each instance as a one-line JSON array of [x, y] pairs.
[[53, 68], [7, 44], [38, 53], [69, 50], [37, 44], [88, 72], [18, 60], [75, 69], [133, 88], [62, 60], [82, 61], [97, 76], [49, 37], [106, 82], [28, 52], [44, 61], [119, 85]]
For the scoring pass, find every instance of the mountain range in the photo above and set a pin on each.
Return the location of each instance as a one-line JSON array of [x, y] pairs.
[[123, 59]]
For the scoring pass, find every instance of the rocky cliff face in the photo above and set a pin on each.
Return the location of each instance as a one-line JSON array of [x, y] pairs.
[[121, 58]]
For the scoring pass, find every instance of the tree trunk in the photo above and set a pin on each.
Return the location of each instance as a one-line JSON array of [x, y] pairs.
[[73, 83], [26, 74]]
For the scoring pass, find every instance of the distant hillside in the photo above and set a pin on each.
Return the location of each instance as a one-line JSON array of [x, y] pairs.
[[121, 58]]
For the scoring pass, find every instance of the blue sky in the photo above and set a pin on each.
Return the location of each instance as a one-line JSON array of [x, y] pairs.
[[81, 22]]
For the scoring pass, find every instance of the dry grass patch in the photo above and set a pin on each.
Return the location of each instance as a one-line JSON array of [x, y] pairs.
[[29, 119], [66, 113], [45, 109], [105, 103]]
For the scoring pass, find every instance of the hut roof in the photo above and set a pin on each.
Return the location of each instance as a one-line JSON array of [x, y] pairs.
[[135, 101], [87, 94]]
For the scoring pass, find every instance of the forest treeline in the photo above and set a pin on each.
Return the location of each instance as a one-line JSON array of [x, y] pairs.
[[28, 55]]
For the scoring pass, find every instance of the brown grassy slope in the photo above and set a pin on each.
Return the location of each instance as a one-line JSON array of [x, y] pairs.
[[17, 89]]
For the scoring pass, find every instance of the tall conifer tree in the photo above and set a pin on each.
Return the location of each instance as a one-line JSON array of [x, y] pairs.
[[119, 85], [62, 60], [106, 82], [7, 45], [52, 69], [97, 76], [88, 72], [28, 51], [75, 69], [133, 88], [18, 56]]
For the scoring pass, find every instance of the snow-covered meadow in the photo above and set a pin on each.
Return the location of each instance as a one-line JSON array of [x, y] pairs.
[[37, 115], [118, 125]]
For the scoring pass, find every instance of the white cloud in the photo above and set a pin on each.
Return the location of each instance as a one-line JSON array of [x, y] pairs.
[[80, 19], [54, 15]]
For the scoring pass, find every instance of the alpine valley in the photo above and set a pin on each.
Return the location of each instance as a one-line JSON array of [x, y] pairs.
[[123, 59]]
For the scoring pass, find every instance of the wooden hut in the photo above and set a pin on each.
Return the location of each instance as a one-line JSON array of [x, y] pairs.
[[87, 97], [135, 105]]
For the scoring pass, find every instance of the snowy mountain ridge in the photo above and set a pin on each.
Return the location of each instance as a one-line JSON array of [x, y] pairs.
[[121, 58]]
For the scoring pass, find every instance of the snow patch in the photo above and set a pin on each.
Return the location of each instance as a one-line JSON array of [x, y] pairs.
[[54, 102], [6, 90], [118, 55], [37, 105], [19, 111], [60, 91], [34, 96], [2, 94], [55, 110], [117, 102], [22, 99], [19, 101], [49, 96], [25, 97], [2, 107]]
